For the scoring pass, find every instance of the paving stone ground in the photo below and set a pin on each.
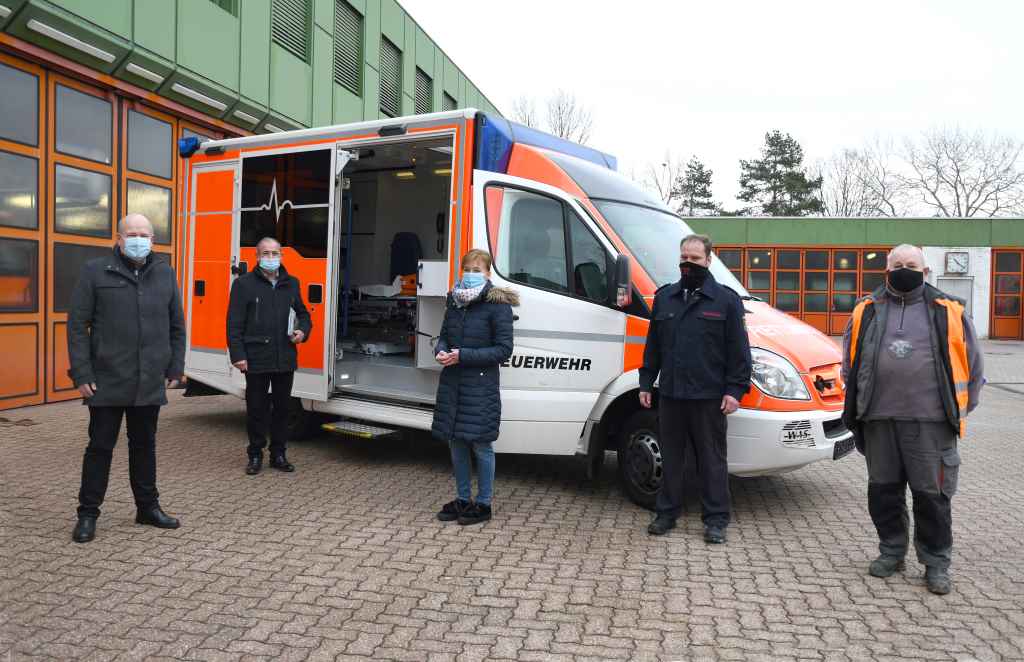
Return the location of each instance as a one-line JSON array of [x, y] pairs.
[[343, 560]]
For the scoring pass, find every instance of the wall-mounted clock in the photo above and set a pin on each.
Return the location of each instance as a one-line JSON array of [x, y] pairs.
[[957, 262]]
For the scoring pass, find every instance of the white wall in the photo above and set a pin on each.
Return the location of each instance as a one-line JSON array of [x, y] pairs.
[[979, 274]]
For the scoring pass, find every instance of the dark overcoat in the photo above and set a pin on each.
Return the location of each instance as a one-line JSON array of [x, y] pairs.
[[258, 314], [126, 331], [468, 395]]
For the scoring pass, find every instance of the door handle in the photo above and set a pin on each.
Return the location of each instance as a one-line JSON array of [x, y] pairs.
[[239, 269], [419, 276]]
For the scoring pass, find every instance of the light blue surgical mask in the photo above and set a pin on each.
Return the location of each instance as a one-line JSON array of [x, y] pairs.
[[270, 263], [137, 248], [471, 279]]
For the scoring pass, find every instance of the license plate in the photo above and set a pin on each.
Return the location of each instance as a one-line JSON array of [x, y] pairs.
[[843, 448]]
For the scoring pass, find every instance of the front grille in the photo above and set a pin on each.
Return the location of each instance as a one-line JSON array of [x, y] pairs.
[[834, 428]]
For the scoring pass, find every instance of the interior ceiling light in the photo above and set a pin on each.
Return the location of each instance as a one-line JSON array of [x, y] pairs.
[[442, 171], [405, 174]]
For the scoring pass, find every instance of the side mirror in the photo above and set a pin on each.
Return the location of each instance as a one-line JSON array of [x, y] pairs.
[[623, 281]]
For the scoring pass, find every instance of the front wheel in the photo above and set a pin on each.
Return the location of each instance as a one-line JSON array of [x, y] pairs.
[[640, 461]]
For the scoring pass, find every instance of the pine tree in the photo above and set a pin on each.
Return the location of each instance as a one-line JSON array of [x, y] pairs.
[[694, 190], [776, 184]]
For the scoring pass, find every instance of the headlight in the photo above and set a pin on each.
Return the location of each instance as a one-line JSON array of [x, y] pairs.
[[776, 376]]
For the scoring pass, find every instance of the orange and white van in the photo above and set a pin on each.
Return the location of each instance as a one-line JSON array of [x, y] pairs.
[[373, 218]]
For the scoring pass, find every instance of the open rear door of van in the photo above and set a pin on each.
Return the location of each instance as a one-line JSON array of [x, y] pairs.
[[292, 194], [214, 197]]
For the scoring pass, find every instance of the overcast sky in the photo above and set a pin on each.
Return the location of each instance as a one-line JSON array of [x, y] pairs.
[[711, 77]]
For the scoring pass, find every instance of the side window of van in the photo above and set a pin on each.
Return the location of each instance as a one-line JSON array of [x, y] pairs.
[[539, 241]]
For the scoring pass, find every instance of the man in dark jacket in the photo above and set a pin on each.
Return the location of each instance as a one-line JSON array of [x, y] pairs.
[[266, 320], [126, 344], [913, 371], [697, 342]]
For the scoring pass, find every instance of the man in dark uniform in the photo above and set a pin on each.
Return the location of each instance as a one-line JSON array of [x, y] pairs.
[[697, 342], [266, 320], [126, 345]]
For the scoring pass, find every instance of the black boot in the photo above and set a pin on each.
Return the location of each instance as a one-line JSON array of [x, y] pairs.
[[85, 529], [661, 525], [281, 463], [254, 466], [154, 516]]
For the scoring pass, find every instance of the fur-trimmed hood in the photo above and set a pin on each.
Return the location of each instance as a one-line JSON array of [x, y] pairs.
[[503, 295]]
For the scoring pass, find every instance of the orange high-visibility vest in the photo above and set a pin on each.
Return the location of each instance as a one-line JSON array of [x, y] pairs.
[[957, 349]]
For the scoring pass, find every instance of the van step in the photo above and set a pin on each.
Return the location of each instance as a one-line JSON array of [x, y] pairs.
[[350, 429]]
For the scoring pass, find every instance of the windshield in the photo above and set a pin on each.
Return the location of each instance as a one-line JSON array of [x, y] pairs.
[[653, 238]]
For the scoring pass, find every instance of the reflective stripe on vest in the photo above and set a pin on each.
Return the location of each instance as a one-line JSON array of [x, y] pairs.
[[858, 315], [957, 356]]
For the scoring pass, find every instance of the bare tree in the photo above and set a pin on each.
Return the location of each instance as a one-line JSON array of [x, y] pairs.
[[524, 111], [961, 175], [890, 194], [661, 177], [568, 118], [843, 192]]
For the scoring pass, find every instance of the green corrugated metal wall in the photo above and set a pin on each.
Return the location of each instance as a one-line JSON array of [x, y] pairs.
[[728, 231], [231, 59]]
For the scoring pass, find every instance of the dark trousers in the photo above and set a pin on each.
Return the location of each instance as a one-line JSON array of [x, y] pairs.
[[700, 425], [104, 427], [268, 412], [924, 455]]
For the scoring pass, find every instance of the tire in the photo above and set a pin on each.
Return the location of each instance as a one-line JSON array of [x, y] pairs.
[[639, 453], [302, 424]]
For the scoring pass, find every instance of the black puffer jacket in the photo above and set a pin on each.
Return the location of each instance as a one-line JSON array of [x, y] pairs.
[[468, 397], [126, 331], [258, 321]]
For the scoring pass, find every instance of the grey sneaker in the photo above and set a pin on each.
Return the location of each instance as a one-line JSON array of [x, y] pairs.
[[886, 566], [938, 580]]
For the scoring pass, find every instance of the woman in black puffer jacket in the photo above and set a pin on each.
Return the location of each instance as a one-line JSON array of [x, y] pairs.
[[476, 338]]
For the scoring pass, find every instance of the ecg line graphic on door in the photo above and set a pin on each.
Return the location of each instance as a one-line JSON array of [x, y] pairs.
[[272, 204]]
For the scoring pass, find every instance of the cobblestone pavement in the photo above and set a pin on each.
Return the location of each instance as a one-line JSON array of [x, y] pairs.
[[343, 560]]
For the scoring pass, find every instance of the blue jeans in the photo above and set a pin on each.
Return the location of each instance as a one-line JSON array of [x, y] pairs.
[[464, 472]]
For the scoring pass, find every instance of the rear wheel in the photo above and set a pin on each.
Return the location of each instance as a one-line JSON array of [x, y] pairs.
[[640, 461], [302, 424]]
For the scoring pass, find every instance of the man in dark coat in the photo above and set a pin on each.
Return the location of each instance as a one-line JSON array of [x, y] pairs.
[[697, 342], [126, 344], [266, 320]]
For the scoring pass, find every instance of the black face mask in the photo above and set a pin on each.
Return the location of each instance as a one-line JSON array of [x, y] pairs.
[[905, 280], [693, 274]]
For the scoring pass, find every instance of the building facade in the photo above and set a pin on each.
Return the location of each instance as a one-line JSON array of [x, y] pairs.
[[95, 94], [816, 268]]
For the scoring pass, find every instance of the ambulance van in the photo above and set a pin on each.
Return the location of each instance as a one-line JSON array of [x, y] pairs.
[[373, 218]]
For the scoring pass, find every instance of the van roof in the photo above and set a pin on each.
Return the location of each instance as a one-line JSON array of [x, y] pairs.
[[494, 140]]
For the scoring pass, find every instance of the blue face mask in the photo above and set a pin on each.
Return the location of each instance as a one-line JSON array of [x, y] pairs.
[[137, 248], [270, 263], [472, 279]]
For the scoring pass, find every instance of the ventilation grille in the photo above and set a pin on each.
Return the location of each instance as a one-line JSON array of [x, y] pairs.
[[424, 93], [348, 47], [798, 434], [290, 25], [448, 103], [390, 78]]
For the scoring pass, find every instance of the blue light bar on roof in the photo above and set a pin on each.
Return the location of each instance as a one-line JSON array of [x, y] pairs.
[[496, 136]]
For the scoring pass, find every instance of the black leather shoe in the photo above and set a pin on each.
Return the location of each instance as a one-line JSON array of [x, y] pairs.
[[661, 525], [254, 466], [452, 510], [475, 514], [154, 516], [85, 529], [938, 580], [714, 535], [886, 566], [281, 463]]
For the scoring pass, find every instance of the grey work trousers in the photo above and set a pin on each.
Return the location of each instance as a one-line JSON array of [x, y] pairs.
[[924, 455]]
